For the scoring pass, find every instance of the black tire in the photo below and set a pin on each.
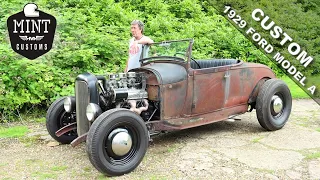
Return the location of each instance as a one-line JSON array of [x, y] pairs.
[[269, 118], [57, 118], [99, 147]]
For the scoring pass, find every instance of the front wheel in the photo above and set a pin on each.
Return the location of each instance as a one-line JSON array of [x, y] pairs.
[[57, 118], [117, 142], [273, 106]]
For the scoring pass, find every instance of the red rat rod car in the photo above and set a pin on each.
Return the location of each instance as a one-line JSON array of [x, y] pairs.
[[118, 114]]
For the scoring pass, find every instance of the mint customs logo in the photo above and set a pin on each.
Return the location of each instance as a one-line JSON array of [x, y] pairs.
[[31, 31]]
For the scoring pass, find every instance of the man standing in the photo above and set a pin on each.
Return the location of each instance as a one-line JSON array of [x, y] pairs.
[[135, 45]]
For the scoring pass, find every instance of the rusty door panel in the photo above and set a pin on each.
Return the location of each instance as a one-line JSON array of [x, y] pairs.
[[209, 92], [173, 99]]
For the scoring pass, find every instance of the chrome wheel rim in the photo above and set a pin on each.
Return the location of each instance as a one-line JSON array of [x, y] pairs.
[[121, 141], [276, 105]]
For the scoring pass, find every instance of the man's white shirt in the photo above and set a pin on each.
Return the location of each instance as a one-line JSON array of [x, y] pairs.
[[134, 57]]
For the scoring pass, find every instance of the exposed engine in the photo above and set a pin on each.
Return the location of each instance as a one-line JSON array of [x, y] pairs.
[[127, 90]]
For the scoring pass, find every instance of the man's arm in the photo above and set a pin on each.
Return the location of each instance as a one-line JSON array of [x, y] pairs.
[[144, 40]]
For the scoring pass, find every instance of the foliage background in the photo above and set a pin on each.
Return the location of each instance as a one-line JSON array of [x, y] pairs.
[[298, 18], [92, 36]]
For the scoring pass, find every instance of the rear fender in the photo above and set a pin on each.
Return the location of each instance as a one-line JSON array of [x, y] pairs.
[[255, 91]]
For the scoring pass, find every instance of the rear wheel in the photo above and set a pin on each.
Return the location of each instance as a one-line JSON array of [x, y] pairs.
[[57, 118], [117, 142], [273, 105]]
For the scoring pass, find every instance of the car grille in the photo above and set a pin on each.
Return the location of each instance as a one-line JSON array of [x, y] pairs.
[[82, 101]]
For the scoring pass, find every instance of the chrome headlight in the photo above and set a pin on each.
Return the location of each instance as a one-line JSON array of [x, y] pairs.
[[93, 111], [69, 104]]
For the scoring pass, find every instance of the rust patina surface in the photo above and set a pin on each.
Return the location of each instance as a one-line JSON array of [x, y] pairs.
[[206, 95]]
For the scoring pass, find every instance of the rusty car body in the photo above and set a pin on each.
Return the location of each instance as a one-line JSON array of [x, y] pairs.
[[118, 114]]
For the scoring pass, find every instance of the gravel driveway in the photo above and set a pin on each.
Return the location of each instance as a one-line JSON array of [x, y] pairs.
[[223, 150]]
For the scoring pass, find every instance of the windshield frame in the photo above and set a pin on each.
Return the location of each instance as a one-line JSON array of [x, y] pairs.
[[144, 55]]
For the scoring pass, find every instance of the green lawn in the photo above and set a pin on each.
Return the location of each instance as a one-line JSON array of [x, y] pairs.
[[314, 155], [13, 132], [296, 91]]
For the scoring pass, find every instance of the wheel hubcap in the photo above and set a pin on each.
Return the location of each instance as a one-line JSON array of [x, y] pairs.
[[276, 104], [121, 141]]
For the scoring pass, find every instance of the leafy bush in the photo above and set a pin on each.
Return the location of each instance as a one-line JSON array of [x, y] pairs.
[[93, 36]]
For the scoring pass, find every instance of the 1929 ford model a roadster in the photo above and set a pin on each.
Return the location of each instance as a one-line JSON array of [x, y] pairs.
[[170, 91]]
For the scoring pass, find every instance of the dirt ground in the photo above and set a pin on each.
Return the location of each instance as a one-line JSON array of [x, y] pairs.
[[223, 150]]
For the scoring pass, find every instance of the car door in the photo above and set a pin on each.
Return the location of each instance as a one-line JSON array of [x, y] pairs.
[[209, 87]]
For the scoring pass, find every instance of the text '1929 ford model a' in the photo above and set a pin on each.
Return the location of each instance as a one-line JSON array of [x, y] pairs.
[[118, 114]]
